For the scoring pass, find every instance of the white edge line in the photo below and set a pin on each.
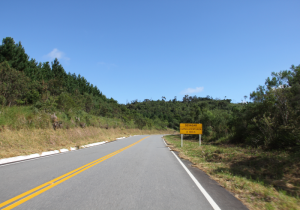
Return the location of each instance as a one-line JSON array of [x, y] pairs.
[[207, 196], [165, 143], [20, 159]]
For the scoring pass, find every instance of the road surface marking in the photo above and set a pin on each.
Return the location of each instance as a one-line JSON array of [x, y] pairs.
[[48, 185], [207, 196]]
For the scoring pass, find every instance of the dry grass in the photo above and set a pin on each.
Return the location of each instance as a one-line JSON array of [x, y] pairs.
[[29, 141], [260, 179]]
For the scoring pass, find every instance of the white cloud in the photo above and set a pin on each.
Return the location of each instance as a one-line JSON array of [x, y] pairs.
[[55, 53], [190, 91]]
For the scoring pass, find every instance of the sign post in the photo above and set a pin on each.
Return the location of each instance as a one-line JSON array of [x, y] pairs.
[[190, 128], [181, 140], [199, 139]]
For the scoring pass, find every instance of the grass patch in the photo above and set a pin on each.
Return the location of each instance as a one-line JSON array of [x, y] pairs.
[[29, 117], [260, 179], [26, 130]]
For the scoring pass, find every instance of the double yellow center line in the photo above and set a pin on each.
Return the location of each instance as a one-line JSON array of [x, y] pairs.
[[48, 185]]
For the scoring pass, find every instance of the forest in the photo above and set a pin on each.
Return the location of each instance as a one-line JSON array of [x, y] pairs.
[[269, 119]]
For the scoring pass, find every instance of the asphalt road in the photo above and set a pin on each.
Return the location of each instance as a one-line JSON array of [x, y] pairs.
[[126, 174]]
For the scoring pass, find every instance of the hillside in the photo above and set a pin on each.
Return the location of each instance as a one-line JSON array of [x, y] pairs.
[[48, 89]]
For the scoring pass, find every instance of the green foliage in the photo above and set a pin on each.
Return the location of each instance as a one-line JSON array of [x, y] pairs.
[[66, 103], [48, 105], [213, 114], [14, 85], [32, 96], [272, 119], [14, 54], [2, 100]]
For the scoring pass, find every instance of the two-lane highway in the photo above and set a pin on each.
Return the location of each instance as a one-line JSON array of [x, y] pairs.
[[138, 172]]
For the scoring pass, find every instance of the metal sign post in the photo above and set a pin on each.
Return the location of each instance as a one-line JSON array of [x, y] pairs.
[[199, 139], [181, 140]]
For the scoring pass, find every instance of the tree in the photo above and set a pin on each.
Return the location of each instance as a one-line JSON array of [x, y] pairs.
[[13, 84], [57, 70], [14, 54]]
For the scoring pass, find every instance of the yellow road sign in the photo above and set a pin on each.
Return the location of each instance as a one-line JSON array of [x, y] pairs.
[[190, 128]]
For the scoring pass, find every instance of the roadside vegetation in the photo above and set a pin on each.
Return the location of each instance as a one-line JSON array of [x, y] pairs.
[[31, 141], [26, 130], [270, 119], [260, 179]]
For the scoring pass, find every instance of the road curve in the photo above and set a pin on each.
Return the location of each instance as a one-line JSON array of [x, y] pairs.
[[138, 172]]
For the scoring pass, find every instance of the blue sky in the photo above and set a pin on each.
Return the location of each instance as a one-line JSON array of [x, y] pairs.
[[137, 49]]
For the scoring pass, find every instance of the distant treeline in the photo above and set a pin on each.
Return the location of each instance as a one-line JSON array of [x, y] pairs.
[[270, 118]]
